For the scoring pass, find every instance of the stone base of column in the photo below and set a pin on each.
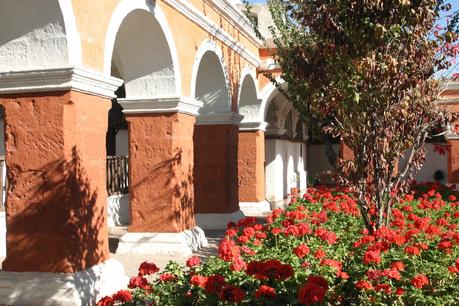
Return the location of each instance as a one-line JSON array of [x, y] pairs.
[[217, 221], [81, 288], [169, 244], [255, 209]]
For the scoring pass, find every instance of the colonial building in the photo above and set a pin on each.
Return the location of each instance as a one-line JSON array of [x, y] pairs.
[[176, 88]]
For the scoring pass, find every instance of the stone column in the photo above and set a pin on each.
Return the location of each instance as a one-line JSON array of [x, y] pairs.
[[251, 167], [216, 169], [453, 159], [161, 186], [56, 199], [276, 167], [345, 152]]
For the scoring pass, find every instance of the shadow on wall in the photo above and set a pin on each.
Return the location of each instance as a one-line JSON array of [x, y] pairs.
[[168, 188], [54, 219]]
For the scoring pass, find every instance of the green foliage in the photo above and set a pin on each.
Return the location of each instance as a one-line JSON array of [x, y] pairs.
[[320, 237], [364, 70]]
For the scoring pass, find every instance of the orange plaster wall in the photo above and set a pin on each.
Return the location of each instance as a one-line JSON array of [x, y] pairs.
[[161, 172], [56, 200], [93, 39], [251, 166], [92, 18], [453, 161], [216, 174]]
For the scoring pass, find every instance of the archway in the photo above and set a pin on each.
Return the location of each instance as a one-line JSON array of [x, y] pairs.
[[285, 150], [141, 47], [215, 141], [251, 148]]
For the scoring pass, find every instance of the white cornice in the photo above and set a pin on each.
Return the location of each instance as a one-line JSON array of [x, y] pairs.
[[239, 20], [228, 118], [276, 131], [253, 126], [192, 13], [59, 79], [161, 105], [448, 100], [450, 85]]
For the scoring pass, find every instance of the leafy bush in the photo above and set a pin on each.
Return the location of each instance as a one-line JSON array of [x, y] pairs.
[[318, 252]]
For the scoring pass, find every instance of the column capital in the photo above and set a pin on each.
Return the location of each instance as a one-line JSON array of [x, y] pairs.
[[450, 133], [59, 79], [227, 118], [253, 126], [161, 105], [276, 131]]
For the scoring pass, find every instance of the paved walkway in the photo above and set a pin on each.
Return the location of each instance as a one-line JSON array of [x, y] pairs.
[[131, 262]]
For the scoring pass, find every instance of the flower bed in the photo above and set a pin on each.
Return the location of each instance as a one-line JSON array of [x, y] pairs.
[[316, 252]]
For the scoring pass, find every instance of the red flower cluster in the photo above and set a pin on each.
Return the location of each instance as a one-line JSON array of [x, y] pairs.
[[313, 291], [147, 268], [270, 269], [193, 261], [122, 296]]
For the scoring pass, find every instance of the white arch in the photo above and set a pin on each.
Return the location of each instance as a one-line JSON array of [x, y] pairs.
[[209, 46], [73, 36], [266, 95], [247, 71], [121, 11], [249, 111], [38, 35]]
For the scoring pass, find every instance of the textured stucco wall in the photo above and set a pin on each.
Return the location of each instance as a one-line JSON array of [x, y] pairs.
[[216, 168], [251, 166], [56, 206], [161, 172]]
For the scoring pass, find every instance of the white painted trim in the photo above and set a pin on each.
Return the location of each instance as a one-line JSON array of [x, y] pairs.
[[196, 16], [450, 85], [209, 46], [229, 118], [161, 105], [60, 79], [253, 126], [81, 288], [276, 131], [448, 100], [2, 233], [170, 244], [217, 221], [71, 33], [255, 209], [238, 19], [121, 11]]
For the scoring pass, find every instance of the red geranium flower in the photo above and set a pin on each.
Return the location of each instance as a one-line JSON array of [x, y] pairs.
[[147, 268], [198, 280], [228, 250], [301, 250], [420, 281], [265, 291], [122, 296], [231, 293], [372, 257], [363, 285], [311, 293], [139, 282], [106, 301], [397, 265], [214, 283], [193, 261], [238, 264]]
